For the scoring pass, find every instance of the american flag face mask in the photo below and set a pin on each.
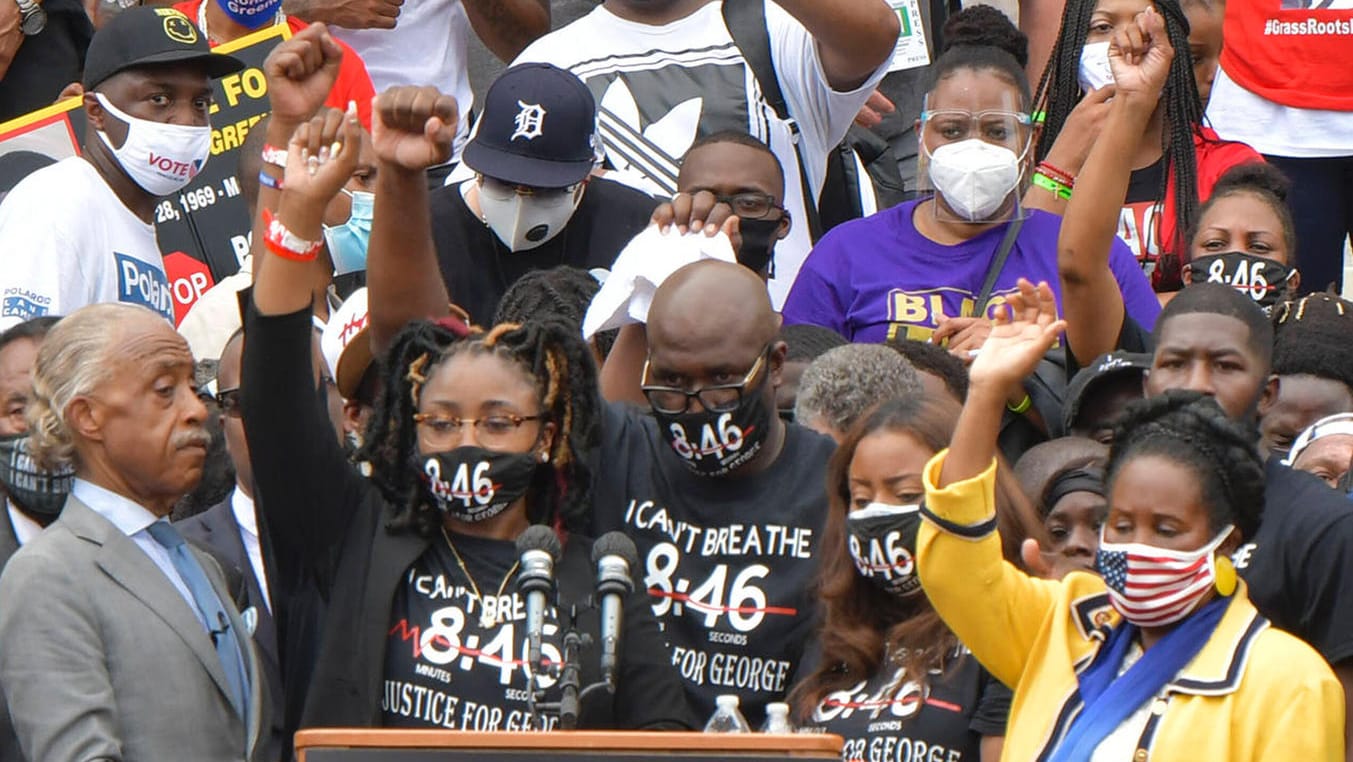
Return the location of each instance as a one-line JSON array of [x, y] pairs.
[[1153, 587]]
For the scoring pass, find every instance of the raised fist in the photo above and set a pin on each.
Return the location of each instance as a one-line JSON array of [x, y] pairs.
[[301, 72], [413, 127]]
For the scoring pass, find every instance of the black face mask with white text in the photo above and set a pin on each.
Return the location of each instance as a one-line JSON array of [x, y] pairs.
[[36, 491], [472, 484], [716, 444], [1266, 281]]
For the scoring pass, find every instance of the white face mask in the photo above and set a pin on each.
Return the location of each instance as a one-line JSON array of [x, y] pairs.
[[161, 158], [974, 177], [1095, 71], [525, 222]]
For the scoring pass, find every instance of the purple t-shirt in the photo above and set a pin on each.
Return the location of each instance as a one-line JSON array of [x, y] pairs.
[[877, 278]]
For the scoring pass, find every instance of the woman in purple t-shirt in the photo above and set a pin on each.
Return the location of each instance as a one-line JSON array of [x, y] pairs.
[[917, 270]]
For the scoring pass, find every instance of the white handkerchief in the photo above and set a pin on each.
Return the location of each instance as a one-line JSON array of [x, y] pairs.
[[642, 266]]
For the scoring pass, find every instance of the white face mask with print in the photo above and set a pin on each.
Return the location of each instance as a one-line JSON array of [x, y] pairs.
[[161, 158], [974, 177], [1095, 71]]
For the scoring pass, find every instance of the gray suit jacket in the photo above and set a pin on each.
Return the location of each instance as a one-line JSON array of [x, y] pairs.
[[101, 658]]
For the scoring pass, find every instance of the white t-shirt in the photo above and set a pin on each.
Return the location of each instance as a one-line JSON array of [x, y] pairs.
[[428, 46], [660, 88], [67, 241], [1274, 129]]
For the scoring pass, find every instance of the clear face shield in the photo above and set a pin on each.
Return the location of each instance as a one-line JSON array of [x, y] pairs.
[[976, 163]]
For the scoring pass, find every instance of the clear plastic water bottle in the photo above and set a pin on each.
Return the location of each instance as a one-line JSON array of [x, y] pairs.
[[726, 717], [777, 718]]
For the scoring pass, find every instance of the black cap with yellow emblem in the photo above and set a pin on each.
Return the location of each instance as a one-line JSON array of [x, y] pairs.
[[145, 36]]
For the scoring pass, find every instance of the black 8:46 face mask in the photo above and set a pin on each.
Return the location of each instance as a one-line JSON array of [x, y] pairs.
[[1263, 280], [714, 444], [472, 484]]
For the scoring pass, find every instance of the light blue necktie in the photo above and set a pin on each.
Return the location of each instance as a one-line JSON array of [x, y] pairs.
[[209, 604]]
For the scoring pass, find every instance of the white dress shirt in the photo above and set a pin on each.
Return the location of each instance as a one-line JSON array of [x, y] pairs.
[[25, 528], [133, 520], [243, 507]]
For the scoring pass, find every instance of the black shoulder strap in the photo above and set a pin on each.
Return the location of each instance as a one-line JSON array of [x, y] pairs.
[[997, 264], [746, 21]]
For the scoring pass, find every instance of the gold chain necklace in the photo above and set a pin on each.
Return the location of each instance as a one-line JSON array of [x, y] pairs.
[[486, 620]]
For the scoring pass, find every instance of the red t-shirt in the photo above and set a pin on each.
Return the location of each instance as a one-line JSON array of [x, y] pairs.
[[353, 82], [1147, 226], [1291, 52]]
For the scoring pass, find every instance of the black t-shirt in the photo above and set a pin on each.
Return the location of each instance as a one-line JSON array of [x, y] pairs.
[[478, 269], [455, 659], [1299, 565], [890, 716], [729, 562]]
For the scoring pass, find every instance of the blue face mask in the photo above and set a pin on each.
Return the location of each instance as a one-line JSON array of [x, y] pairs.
[[348, 242], [251, 14]]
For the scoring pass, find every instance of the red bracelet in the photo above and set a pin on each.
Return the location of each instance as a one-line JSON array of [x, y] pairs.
[[286, 244], [275, 156], [1062, 176]]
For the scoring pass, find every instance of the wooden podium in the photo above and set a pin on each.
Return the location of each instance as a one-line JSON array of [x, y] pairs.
[[372, 745]]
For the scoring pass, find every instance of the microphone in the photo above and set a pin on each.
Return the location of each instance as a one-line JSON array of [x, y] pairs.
[[615, 557], [537, 549]]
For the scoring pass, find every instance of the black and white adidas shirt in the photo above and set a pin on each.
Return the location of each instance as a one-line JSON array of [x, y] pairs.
[[661, 88]]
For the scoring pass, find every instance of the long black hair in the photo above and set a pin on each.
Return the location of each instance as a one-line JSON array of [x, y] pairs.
[[1059, 92], [565, 377]]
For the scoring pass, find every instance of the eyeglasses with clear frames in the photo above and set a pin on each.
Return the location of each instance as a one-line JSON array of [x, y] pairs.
[[489, 430], [998, 126], [720, 398]]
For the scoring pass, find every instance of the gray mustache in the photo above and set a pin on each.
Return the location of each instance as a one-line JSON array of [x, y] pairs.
[[191, 438]]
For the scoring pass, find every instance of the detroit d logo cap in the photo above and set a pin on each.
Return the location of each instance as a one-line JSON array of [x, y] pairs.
[[538, 128], [145, 36]]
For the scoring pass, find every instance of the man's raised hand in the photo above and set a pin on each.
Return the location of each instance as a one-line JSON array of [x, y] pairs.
[[413, 128], [301, 71]]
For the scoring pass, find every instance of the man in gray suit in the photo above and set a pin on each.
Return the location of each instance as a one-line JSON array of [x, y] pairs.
[[117, 640]]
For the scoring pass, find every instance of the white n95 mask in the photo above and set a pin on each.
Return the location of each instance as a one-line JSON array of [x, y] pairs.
[[974, 177], [1095, 71], [161, 158]]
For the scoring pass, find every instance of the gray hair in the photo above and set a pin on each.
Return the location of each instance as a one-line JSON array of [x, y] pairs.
[[72, 362], [840, 385]]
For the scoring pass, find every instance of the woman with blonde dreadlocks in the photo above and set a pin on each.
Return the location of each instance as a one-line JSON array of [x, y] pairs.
[[477, 437]]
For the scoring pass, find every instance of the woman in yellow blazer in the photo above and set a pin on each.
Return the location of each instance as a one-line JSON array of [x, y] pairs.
[[1165, 658]]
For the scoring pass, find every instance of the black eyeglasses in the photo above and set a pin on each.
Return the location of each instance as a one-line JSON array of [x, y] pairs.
[[750, 205], [720, 398], [229, 401]]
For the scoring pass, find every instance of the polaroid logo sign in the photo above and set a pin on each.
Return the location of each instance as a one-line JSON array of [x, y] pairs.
[[144, 284]]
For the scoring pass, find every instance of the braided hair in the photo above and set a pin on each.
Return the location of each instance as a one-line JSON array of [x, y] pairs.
[[547, 350], [1190, 429], [1059, 92], [563, 293]]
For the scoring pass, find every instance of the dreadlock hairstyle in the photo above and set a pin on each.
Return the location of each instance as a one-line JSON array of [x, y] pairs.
[[1312, 336], [861, 623], [1059, 92], [562, 293], [1190, 429], [566, 377]]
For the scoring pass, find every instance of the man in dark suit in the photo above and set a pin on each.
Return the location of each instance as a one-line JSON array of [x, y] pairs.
[[119, 640], [229, 532], [32, 499]]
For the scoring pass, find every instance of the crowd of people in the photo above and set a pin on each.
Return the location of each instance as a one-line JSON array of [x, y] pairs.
[[584, 405]]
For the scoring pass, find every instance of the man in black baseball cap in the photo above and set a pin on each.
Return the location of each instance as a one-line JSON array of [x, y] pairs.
[[80, 231], [533, 203], [1100, 391]]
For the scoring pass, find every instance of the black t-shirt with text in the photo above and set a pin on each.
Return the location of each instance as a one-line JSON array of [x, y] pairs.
[[478, 269], [891, 716], [729, 563], [1299, 565], [457, 661]]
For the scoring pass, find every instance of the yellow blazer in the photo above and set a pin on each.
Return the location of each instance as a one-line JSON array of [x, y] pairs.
[[1252, 693]]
